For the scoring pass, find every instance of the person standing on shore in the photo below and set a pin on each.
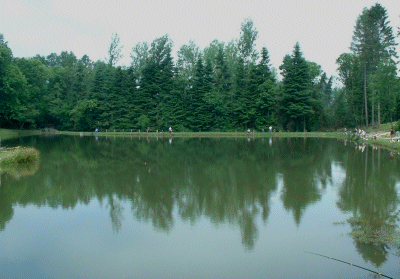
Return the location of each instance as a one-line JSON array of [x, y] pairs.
[[392, 134]]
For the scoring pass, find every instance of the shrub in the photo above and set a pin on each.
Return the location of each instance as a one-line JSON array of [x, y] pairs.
[[397, 126], [19, 155]]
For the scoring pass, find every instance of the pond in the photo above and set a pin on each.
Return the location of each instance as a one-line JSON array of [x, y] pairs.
[[128, 207]]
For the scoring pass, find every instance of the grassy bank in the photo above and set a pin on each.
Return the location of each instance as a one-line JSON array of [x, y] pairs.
[[9, 134], [207, 134], [18, 155], [383, 139]]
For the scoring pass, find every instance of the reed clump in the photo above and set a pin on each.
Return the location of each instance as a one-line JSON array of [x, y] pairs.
[[384, 232], [19, 155]]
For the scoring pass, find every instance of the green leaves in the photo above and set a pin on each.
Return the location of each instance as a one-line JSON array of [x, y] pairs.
[[114, 52], [13, 89], [83, 114], [143, 121], [248, 36]]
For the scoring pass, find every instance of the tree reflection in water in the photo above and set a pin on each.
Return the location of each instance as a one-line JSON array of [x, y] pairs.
[[227, 181], [14, 171], [369, 193]]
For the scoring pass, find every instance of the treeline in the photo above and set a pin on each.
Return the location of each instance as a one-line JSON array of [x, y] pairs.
[[225, 87]]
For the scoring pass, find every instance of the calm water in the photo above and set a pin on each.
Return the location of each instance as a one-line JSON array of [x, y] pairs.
[[195, 208]]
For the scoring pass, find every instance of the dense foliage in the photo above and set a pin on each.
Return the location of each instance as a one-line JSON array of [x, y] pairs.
[[369, 73], [225, 87]]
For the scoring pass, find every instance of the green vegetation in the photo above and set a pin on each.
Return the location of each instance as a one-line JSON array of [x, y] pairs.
[[212, 134], [377, 233], [224, 87], [18, 155], [8, 133]]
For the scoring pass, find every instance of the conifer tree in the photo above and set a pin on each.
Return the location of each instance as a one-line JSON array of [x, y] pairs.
[[118, 105], [157, 83], [207, 120], [195, 111], [296, 101], [373, 41], [100, 92], [218, 97], [266, 99], [131, 97], [240, 116]]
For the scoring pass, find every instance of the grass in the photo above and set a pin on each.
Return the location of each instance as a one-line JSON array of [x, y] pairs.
[[9, 134], [207, 134], [382, 128], [18, 155]]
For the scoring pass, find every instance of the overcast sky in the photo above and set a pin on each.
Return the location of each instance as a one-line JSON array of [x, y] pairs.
[[324, 28]]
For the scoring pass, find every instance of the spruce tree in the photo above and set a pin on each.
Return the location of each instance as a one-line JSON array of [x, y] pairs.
[[296, 100], [218, 97], [157, 84], [195, 110], [131, 97], [239, 106], [373, 41], [266, 99]]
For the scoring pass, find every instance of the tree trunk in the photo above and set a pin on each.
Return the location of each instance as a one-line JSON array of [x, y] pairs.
[[373, 111], [379, 114], [366, 167], [365, 94]]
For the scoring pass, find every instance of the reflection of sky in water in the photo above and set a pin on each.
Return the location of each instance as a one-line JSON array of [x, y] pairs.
[[398, 188], [81, 243], [338, 174]]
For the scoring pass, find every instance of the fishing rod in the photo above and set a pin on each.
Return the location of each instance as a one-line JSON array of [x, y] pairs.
[[378, 273]]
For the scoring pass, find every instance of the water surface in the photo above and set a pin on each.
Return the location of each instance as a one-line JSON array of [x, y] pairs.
[[195, 208]]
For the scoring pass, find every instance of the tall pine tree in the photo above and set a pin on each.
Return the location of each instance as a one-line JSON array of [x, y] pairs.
[[373, 41], [296, 103]]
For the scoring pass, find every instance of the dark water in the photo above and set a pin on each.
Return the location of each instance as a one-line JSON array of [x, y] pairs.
[[195, 208]]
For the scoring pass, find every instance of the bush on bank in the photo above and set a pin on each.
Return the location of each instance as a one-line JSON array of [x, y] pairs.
[[19, 155]]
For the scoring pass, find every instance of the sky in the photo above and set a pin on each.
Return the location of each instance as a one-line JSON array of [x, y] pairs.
[[323, 28]]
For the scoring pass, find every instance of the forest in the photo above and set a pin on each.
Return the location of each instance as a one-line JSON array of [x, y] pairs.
[[224, 87]]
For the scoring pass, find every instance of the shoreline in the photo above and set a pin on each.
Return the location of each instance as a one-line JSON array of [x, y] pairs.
[[10, 134], [382, 141]]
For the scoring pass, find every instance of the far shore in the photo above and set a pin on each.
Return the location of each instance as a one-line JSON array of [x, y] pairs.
[[9, 133], [383, 137], [205, 134], [382, 141]]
